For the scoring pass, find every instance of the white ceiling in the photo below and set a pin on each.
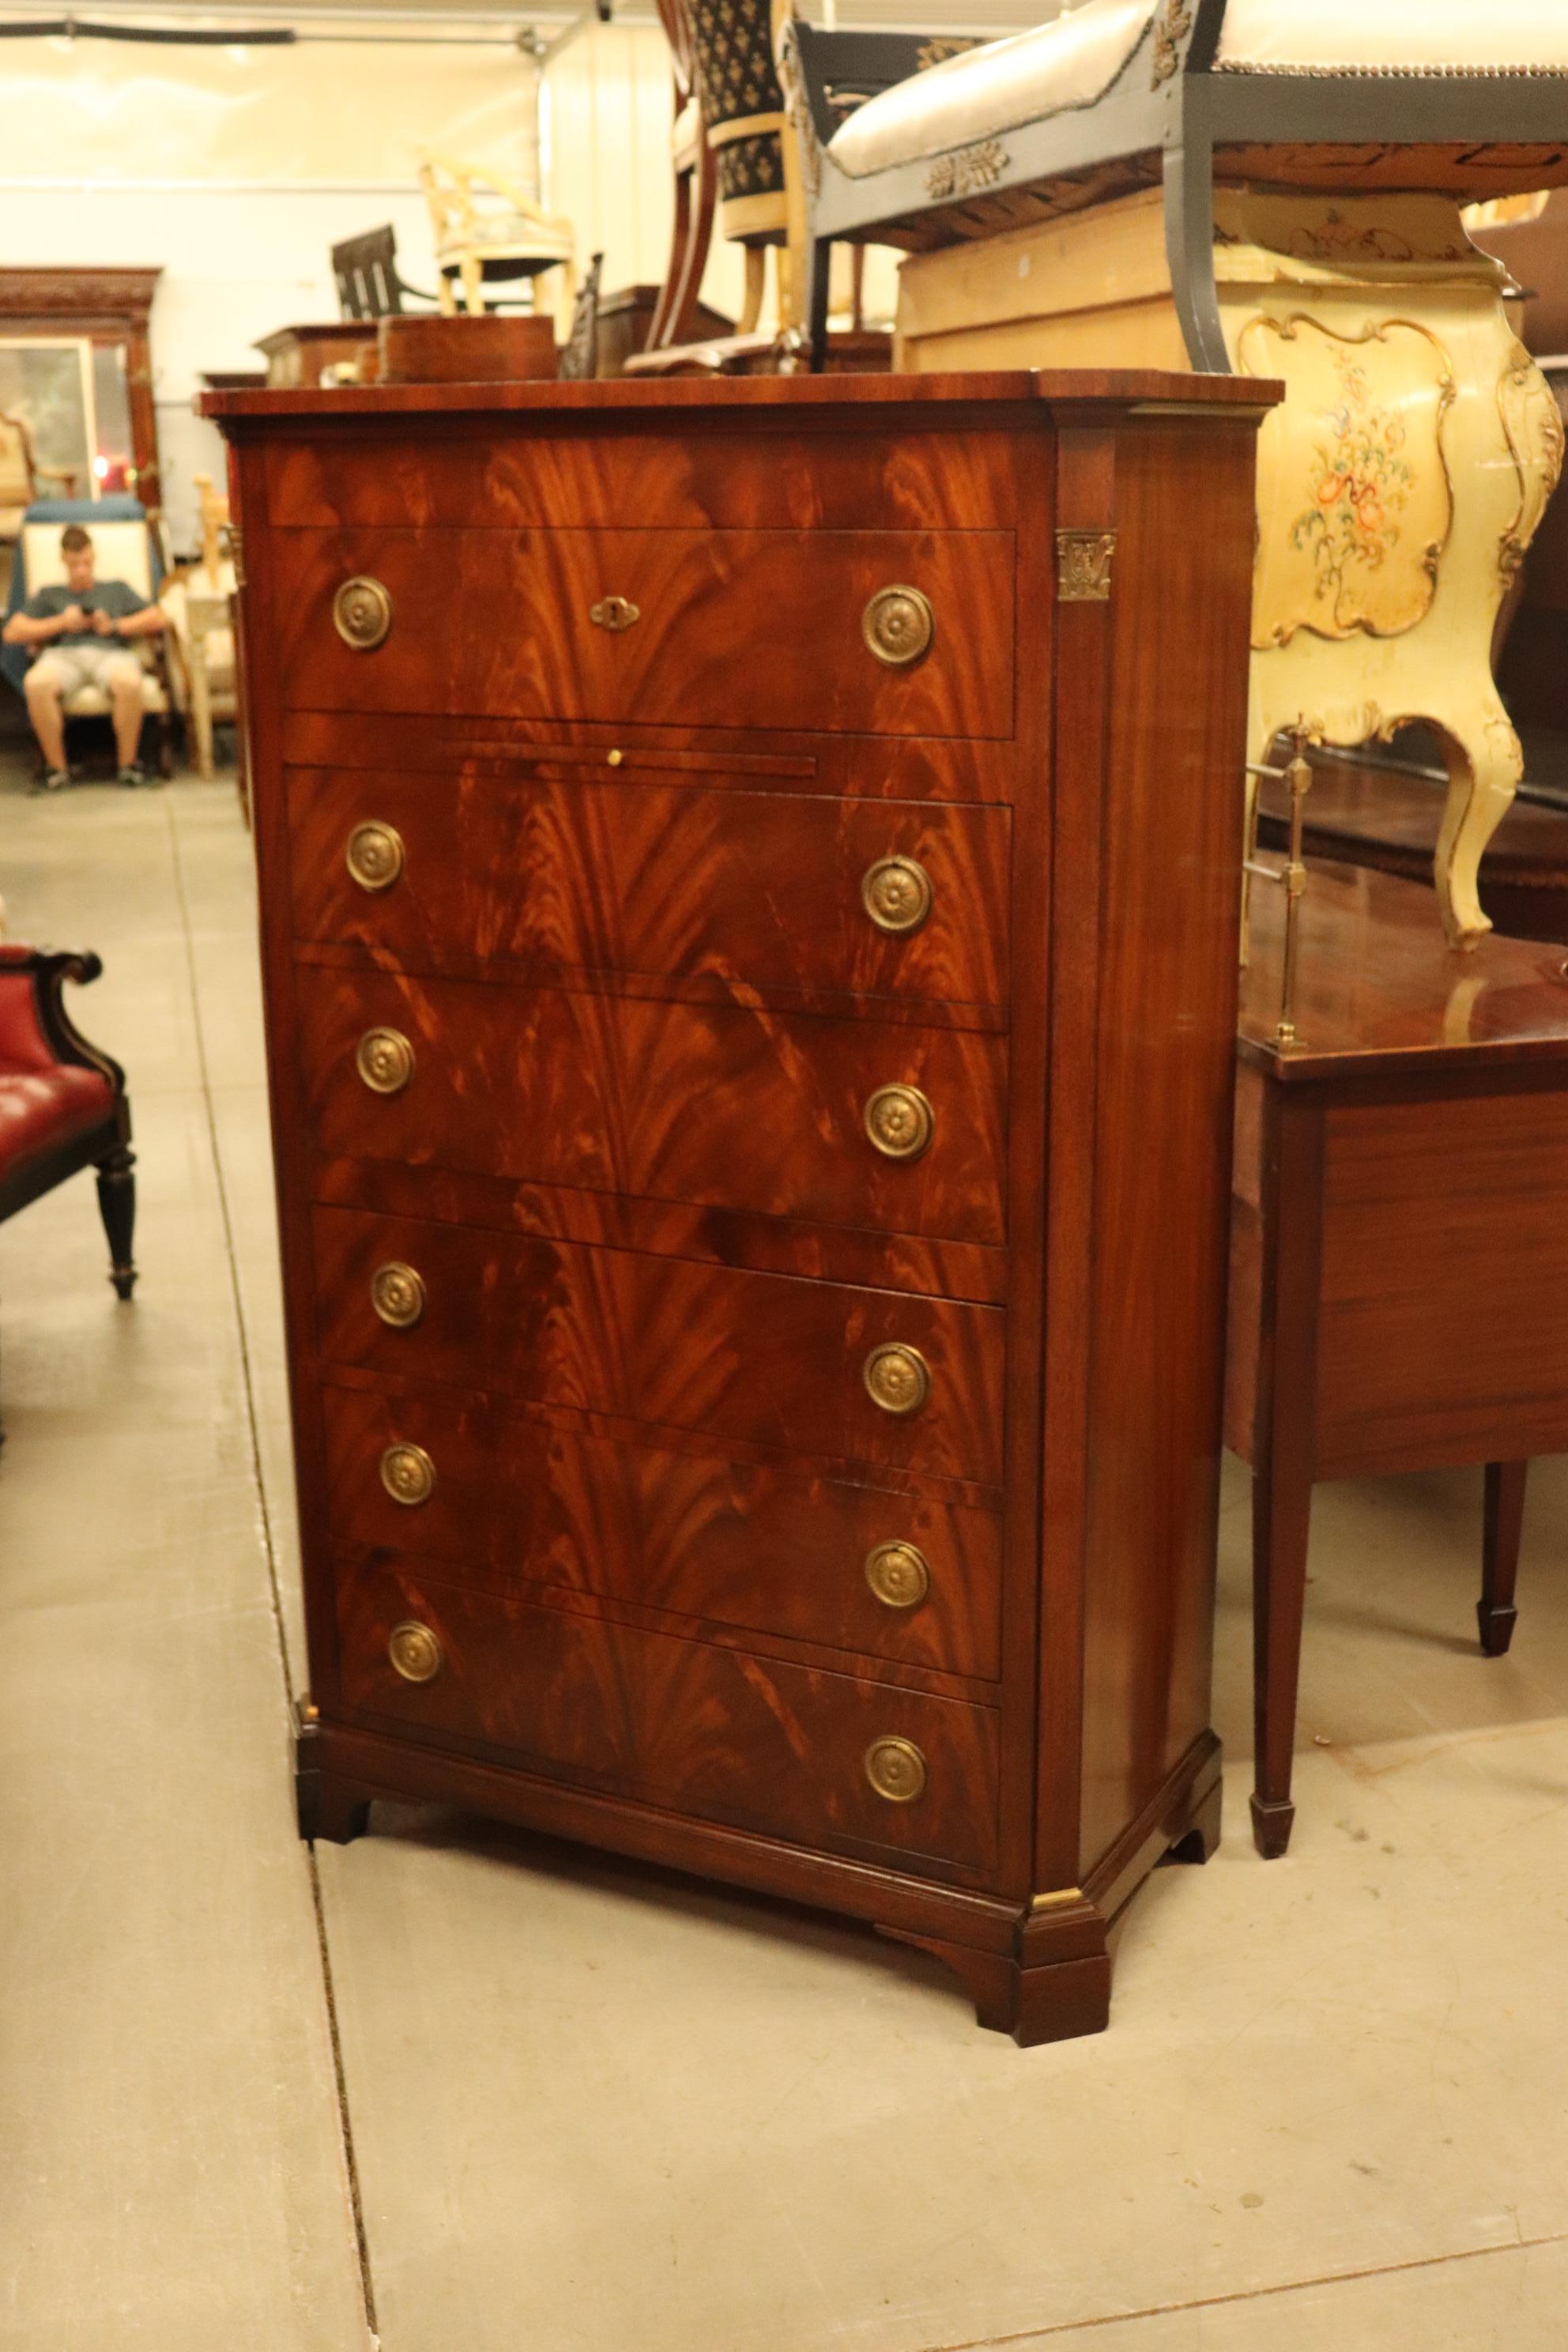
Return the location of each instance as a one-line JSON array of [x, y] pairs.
[[980, 16]]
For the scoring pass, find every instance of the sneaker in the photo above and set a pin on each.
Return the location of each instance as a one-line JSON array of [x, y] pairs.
[[132, 773], [54, 780]]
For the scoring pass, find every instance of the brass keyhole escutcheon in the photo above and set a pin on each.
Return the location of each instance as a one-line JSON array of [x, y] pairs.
[[896, 1377], [899, 625], [898, 1574], [384, 1060], [408, 1474], [414, 1652], [896, 892], [375, 855], [896, 1769], [397, 1294], [615, 614], [899, 1121], [361, 614]]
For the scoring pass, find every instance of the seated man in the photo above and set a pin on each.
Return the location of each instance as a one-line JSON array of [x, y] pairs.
[[83, 625]]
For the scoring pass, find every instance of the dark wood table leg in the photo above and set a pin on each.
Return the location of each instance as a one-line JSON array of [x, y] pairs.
[[1504, 1525], [1283, 1449]]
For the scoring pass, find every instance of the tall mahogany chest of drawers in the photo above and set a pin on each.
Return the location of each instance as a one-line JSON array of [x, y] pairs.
[[749, 879]]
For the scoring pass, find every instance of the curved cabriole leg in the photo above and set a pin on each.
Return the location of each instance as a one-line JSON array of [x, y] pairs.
[[1484, 770], [1495, 1611], [117, 1205]]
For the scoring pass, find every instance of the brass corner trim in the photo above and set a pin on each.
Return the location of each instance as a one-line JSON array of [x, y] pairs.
[[1083, 566], [1054, 1902]]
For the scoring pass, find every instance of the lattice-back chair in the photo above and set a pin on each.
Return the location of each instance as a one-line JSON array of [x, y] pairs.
[[489, 234], [203, 668], [21, 476], [365, 268]]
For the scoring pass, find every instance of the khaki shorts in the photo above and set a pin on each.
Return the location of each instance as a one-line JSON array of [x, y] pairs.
[[70, 668]]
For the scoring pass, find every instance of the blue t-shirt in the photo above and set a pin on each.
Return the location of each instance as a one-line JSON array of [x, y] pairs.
[[115, 597]]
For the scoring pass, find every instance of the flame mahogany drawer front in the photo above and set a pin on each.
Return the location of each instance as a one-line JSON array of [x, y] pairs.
[[749, 884], [765, 1358], [783, 1748], [449, 874], [519, 1502], [717, 1104], [661, 627]]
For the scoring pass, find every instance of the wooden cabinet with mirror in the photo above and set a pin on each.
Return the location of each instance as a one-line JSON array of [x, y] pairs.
[[75, 365]]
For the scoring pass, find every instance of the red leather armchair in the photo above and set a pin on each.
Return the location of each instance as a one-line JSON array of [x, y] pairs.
[[63, 1104]]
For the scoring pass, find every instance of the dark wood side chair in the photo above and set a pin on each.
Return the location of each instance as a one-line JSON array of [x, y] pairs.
[[369, 285], [1399, 1242], [63, 1105]]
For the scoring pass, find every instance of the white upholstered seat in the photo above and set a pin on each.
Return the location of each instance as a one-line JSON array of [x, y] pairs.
[[1072, 62], [1081, 56], [1394, 37]]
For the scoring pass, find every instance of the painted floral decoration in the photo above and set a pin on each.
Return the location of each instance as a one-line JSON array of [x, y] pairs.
[[1362, 488]]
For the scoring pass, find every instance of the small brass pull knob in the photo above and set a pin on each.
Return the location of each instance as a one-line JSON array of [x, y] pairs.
[[375, 855], [361, 614], [615, 614], [397, 1294], [896, 1377], [408, 1474], [899, 1121], [414, 1652], [898, 1574], [899, 625], [896, 1769], [385, 1061], [896, 893]]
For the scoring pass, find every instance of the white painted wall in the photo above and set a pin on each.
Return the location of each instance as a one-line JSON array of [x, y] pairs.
[[236, 171]]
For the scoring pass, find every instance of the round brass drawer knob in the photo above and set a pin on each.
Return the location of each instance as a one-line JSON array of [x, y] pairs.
[[898, 1121], [361, 614], [900, 624], [898, 1574], [896, 1769], [375, 855], [408, 1474], [397, 1294], [896, 892], [897, 1378], [414, 1652], [385, 1061]]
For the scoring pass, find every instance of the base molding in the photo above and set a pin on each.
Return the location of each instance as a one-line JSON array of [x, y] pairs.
[[1041, 1974]]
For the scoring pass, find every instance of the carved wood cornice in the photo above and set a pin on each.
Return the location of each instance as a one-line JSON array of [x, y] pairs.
[[81, 297]]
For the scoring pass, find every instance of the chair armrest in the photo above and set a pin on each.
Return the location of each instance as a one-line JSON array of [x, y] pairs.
[[36, 1030]]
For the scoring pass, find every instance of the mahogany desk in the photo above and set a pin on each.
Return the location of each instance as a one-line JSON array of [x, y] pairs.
[[1399, 1242]]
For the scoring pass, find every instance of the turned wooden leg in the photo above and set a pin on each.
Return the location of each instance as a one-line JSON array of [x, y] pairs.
[[1283, 1441], [117, 1205], [1504, 1525], [1282, 1524]]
